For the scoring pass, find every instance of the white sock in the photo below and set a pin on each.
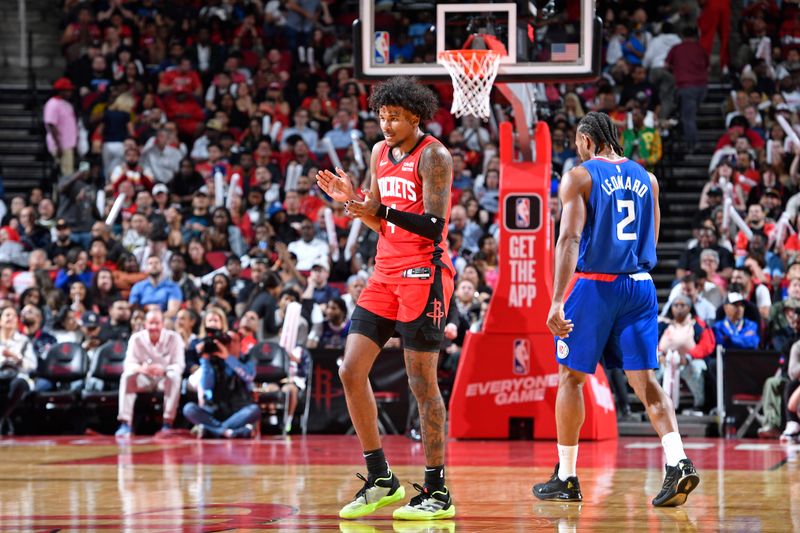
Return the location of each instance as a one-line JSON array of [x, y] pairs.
[[673, 448], [567, 459]]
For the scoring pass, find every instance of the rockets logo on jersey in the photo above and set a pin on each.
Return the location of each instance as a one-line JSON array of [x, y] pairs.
[[397, 187]]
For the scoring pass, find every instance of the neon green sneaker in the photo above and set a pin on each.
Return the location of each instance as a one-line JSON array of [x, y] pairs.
[[374, 495], [427, 506]]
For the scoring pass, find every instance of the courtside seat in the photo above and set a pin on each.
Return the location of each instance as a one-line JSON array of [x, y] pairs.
[[755, 407], [107, 367], [272, 367], [64, 365]]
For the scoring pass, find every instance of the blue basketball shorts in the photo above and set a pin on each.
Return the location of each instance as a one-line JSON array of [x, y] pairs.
[[615, 317]]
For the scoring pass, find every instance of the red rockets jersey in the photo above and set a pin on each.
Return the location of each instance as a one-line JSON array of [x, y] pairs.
[[399, 250]]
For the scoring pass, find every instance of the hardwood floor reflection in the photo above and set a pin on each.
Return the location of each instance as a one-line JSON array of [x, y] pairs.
[[298, 484]]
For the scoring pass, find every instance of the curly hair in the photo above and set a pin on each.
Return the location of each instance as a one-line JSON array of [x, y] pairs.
[[407, 93]]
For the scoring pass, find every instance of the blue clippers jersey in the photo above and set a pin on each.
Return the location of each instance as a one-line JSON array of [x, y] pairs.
[[619, 236]]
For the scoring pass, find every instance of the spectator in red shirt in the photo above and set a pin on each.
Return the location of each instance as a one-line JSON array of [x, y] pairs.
[[757, 221], [79, 34], [790, 33], [130, 170], [689, 63], [182, 78], [309, 204], [214, 162], [322, 93], [184, 110]]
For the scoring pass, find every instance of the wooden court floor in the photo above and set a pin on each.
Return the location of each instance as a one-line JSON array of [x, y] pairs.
[[298, 484]]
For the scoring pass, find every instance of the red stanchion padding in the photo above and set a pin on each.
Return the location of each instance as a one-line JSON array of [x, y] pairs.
[[508, 372]]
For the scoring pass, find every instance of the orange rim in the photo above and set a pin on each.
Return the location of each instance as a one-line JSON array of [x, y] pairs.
[[465, 58]]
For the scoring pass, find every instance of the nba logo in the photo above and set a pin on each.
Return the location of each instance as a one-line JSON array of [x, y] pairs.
[[522, 356], [523, 212], [381, 47]]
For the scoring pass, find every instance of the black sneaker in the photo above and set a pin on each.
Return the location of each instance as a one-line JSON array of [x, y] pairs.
[[679, 481], [555, 489]]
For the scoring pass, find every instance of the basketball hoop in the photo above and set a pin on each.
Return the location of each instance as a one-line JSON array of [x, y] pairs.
[[473, 73]]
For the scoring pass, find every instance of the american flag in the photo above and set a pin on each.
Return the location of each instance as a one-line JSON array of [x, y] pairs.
[[564, 51]]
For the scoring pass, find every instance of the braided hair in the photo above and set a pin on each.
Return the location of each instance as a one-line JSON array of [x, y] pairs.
[[602, 131]]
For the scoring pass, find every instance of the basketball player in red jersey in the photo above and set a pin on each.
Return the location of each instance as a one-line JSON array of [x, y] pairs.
[[408, 204]]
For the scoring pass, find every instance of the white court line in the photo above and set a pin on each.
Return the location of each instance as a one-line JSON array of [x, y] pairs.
[[754, 447], [652, 445]]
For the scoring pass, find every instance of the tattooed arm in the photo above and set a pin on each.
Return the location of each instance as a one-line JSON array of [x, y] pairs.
[[436, 170]]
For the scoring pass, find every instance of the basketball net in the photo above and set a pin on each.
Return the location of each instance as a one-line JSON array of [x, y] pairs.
[[473, 73]]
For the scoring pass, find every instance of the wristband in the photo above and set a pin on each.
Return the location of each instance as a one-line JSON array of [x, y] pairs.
[[383, 211]]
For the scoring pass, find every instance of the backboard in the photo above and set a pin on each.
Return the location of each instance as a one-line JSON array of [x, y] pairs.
[[546, 40]]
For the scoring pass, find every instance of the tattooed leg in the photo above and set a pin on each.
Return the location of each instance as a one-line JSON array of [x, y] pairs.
[[422, 378]]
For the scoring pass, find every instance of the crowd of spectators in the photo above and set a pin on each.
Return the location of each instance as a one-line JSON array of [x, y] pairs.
[[740, 272], [187, 136]]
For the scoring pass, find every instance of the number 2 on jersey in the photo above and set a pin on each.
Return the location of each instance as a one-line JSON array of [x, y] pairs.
[[629, 207]]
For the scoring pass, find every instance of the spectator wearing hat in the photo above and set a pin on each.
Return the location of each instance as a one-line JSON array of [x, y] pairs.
[[63, 242], [90, 328], [689, 336], [782, 325], [735, 331], [157, 290], [61, 126], [318, 289], [160, 158], [199, 218], [689, 63], [769, 185], [160, 199]]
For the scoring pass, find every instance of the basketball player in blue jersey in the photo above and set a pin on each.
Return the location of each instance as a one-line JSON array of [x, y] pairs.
[[604, 302]]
